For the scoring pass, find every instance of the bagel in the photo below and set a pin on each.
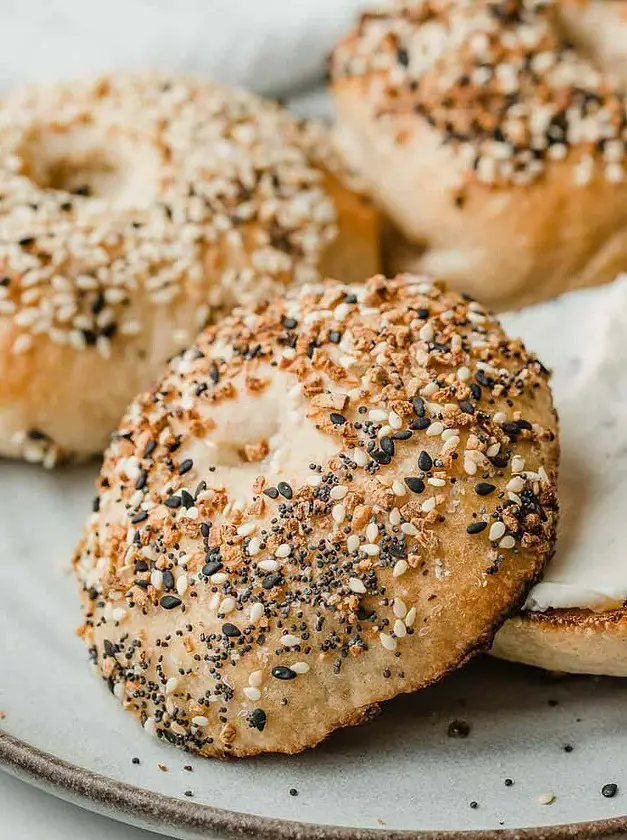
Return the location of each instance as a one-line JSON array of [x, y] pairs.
[[132, 209], [496, 147], [575, 619], [328, 500]]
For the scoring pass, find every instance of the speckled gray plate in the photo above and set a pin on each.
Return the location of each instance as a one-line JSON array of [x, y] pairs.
[[64, 732]]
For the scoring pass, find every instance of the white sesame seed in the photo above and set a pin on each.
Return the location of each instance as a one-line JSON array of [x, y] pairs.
[[399, 608], [410, 529], [507, 542], [181, 584], [171, 685], [352, 543], [410, 617], [255, 679], [400, 629], [156, 579], [400, 567], [497, 529], [254, 546], [428, 505], [398, 488], [300, 667], [150, 726], [395, 517], [372, 532], [493, 450], [516, 484], [388, 642], [219, 578], [546, 798], [200, 720], [360, 457], [470, 466], [436, 482], [289, 640], [268, 565], [377, 415], [464, 373], [252, 693], [247, 529], [370, 549], [119, 614], [357, 586], [337, 493], [518, 464], [426, 332], [435, 429], [256, 611], [338, 513], [227, 605], [394, 420], [283, 550], [447, 434]]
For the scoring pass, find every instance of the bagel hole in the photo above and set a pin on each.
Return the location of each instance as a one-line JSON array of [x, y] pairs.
[[89, 162]]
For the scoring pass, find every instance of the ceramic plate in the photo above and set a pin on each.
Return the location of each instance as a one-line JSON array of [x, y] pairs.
[[409, 770]]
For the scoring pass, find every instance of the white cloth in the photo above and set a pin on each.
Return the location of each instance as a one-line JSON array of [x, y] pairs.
[[275, 47]]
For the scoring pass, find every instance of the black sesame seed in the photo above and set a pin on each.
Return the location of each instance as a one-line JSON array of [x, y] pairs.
[[387, 445], [139, 517], [510, 428], [212, 568], [141, 480], [609, 790], [508, 782], [187, 499], [186, 466], [476, 527], [458, 729], [231, 630], [419, 406], [404, 434], [337, 419], [402, 56], [416, 485], [293, 792], [425, 462], [271, 492], [170, 602], [272, 580], [420, 424], [483, 488], [285, 489], [289, 323], [283, 673], [150, 448], [168, 581], [214, 373], [173, 502], [381, 457], [467, 407], [257, 719], [475, 390], [95, 505], [335, 337]]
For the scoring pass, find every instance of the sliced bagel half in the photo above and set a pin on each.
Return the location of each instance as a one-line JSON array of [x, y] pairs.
[[575, 619]]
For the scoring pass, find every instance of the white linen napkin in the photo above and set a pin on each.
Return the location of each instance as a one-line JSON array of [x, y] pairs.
[[275, 47]]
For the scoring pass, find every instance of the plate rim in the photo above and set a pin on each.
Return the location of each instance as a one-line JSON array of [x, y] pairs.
[[150, 810]]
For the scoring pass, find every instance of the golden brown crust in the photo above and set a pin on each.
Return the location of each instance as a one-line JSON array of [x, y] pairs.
[[474, 123], [132, 209], [327, 501], [572, 640]]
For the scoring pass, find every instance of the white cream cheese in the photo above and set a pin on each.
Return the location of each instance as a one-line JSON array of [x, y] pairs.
[[583, 338]]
